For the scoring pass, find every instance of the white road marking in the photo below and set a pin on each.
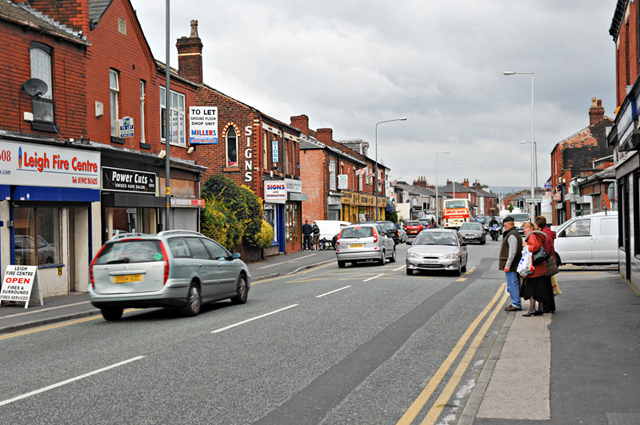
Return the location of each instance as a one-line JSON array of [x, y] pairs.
[[68, 381], [400, 268], [251, 320], [45, 309], [375, 277], [331, 292], [290, 261]]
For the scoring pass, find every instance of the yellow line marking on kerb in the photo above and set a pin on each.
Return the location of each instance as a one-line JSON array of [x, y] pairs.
[[422, 399]]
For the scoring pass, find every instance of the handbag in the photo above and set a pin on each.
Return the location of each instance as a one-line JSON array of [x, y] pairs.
[[552, 266], [539, 256], [555, 287]]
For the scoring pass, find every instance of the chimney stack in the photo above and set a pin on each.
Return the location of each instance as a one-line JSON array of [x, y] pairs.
[[596, 113], [190, 55]]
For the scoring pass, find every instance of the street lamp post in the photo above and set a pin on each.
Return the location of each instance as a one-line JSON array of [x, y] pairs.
[[454, 178], [376, 178], [533, 143], [444, 153]]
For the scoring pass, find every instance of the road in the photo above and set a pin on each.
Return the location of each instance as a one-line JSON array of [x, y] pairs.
[[364, 345]]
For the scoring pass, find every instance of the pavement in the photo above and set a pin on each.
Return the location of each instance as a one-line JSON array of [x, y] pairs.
[[580, 365]]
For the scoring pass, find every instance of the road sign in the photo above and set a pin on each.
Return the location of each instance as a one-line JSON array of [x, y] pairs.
[[533, 200]]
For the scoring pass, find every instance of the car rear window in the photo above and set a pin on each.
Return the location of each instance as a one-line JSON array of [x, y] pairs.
[[412, 223], [133, 251], [357, 232]]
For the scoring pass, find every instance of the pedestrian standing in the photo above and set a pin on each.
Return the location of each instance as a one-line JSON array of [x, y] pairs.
[[316, 236], [510, 254], [534, 286], [306, 235], [549, 246]]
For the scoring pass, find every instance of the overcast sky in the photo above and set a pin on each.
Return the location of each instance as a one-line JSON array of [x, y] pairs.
[[349, 64]]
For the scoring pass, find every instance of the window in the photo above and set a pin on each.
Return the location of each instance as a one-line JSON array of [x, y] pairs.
[[177, 117], [292, 226], [232, 147], [37, 239], [142, 99], [41, 69], [215, 250], [265, 150], [114, 88], [332, 175]]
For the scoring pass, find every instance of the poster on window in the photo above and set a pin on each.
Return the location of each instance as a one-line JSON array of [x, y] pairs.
[[203, 125]]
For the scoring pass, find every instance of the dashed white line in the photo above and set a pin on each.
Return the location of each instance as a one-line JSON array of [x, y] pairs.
[[400, 268], [334, 291], [68, 381], [374, 277], [251, 320]]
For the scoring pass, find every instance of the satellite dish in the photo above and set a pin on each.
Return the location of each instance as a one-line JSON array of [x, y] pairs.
[[35, 87]]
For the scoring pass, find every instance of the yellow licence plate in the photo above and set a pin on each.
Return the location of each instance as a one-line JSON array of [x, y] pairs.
[[356, 245], [127, 278]]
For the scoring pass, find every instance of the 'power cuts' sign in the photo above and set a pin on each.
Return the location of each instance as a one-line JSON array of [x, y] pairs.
[[18, 283]]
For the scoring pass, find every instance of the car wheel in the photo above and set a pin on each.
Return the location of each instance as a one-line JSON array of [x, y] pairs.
[[393, 255], [464, 268], [194, 302], [342, 264], [383, 258], [459, 271], [243, 291], [409, 272], [111, 314]]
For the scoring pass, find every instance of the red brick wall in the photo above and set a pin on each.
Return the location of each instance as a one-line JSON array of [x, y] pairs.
[[627, 54], [129, 55], [69, 75], [312, 174], [71, 13]]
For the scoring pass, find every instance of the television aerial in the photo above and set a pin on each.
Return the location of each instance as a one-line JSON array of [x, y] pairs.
[[35, 87]]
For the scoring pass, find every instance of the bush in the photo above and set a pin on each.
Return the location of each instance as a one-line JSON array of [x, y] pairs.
[[264, 238]]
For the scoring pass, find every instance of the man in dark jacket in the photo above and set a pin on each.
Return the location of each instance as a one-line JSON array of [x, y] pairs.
[[316, 236], [306, 236], [510, 254]]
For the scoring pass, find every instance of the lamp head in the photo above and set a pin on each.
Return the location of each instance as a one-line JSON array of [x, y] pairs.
[[162, 154], [509, 72]]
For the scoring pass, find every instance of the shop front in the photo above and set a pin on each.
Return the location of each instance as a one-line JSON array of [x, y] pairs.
[[132, 200], [283, 211], [50, 212], [358, 207]]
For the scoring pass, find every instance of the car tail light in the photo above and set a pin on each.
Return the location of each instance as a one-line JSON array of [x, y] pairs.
[[338, 239], [93, 283], [166, 263], [375, 235]]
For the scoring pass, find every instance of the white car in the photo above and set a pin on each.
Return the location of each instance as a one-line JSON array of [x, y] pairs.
[[365, 242], [588, 239]]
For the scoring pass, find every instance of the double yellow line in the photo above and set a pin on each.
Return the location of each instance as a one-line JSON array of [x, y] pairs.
[[500, 297]]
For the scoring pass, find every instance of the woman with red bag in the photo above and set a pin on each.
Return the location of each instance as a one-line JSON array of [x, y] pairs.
[[534, 287]]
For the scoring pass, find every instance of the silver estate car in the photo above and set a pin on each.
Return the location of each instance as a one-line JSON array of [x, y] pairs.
[[437, 249], [175, 268], [364, 242]]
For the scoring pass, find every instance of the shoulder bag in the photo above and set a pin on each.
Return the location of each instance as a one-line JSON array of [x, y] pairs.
[[552, 266]]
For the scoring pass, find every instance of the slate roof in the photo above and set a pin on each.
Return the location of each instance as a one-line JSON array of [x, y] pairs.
[[96, 10], [23, 15]]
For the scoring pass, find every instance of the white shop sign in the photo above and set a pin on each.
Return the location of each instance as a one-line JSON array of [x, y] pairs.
[[18, 284]]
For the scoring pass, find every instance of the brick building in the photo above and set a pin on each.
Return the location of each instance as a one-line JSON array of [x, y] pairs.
[[339, 182], [82, 142], [624, 137], [573, 158], [248, 146]]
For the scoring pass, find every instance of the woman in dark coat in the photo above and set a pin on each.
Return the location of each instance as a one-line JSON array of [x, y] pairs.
[[534, 287]]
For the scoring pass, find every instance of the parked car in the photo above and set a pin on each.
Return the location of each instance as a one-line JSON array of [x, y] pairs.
[[437, 249], [389, 227], [473, 232], [365, 242], [174, 268], [588, 239], [402, 235], [413, 227], [329, 230]]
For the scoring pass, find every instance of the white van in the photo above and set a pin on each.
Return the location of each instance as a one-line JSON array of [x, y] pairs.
[[588, 239], [328, 230]]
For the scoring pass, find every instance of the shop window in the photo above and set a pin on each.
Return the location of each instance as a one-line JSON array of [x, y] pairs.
[[41, 68], [232, 147], [37, 236], [292, 226], [269, 216]]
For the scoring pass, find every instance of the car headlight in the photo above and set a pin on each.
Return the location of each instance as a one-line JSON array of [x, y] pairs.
[[453, 255], [412, 255]]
